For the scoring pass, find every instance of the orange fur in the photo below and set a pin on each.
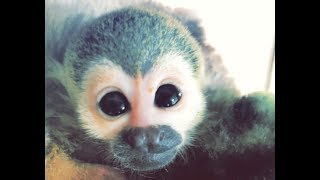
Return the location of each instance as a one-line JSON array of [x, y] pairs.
[[59, 166], [134, 119]]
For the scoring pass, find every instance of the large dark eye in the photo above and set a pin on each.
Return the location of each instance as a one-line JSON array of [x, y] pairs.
[[114, 103], [167, 95]]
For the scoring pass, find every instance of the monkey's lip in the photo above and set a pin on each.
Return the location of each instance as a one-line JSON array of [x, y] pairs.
[[147, 161]]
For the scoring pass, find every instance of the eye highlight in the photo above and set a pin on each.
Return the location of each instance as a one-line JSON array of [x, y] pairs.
[[167, 95], [114, 103]]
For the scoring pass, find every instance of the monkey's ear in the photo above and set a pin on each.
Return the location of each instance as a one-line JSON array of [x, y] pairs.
[[191, 22]]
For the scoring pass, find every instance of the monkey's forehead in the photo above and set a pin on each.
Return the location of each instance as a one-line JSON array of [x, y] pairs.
[[133, 39]]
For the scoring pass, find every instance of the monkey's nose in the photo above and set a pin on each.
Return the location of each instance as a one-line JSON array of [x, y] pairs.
[[152, 139]]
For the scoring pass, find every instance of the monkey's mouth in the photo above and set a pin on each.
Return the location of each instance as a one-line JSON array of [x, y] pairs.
[[145, 149], [139, 161]]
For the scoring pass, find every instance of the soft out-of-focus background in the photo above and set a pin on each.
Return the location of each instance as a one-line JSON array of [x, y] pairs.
[[243, 34]]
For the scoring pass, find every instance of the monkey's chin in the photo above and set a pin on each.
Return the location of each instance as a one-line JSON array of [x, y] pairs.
[[147, 161]]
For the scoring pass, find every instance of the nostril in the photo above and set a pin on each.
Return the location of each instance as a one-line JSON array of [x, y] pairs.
[[136, 138], [129, 139], [161, 136]]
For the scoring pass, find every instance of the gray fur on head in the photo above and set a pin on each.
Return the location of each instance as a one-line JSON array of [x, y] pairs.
[[132, 38]]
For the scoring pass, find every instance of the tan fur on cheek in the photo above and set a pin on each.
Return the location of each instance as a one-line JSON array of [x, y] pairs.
[[60, 167]]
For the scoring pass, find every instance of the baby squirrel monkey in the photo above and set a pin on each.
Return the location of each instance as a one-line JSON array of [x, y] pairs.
[[136, 93]]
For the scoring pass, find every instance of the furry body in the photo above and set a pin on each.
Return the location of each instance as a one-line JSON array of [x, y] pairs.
[[233, 138]]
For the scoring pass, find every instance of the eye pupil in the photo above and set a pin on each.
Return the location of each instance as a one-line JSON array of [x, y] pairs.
[[114, 103], [167, 95]]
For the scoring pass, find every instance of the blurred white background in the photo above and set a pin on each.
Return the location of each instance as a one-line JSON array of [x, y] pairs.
[[242, 32]]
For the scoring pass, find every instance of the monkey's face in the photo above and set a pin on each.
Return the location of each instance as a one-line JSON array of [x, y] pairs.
[[141, 94], [148, 119]]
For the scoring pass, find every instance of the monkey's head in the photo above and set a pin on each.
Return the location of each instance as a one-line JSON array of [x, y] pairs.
[[138, 78]]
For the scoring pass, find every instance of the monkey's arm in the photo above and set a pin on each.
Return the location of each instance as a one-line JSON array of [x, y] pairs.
[[60, 166], [238, 138], [244, 123], [255, 112]]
